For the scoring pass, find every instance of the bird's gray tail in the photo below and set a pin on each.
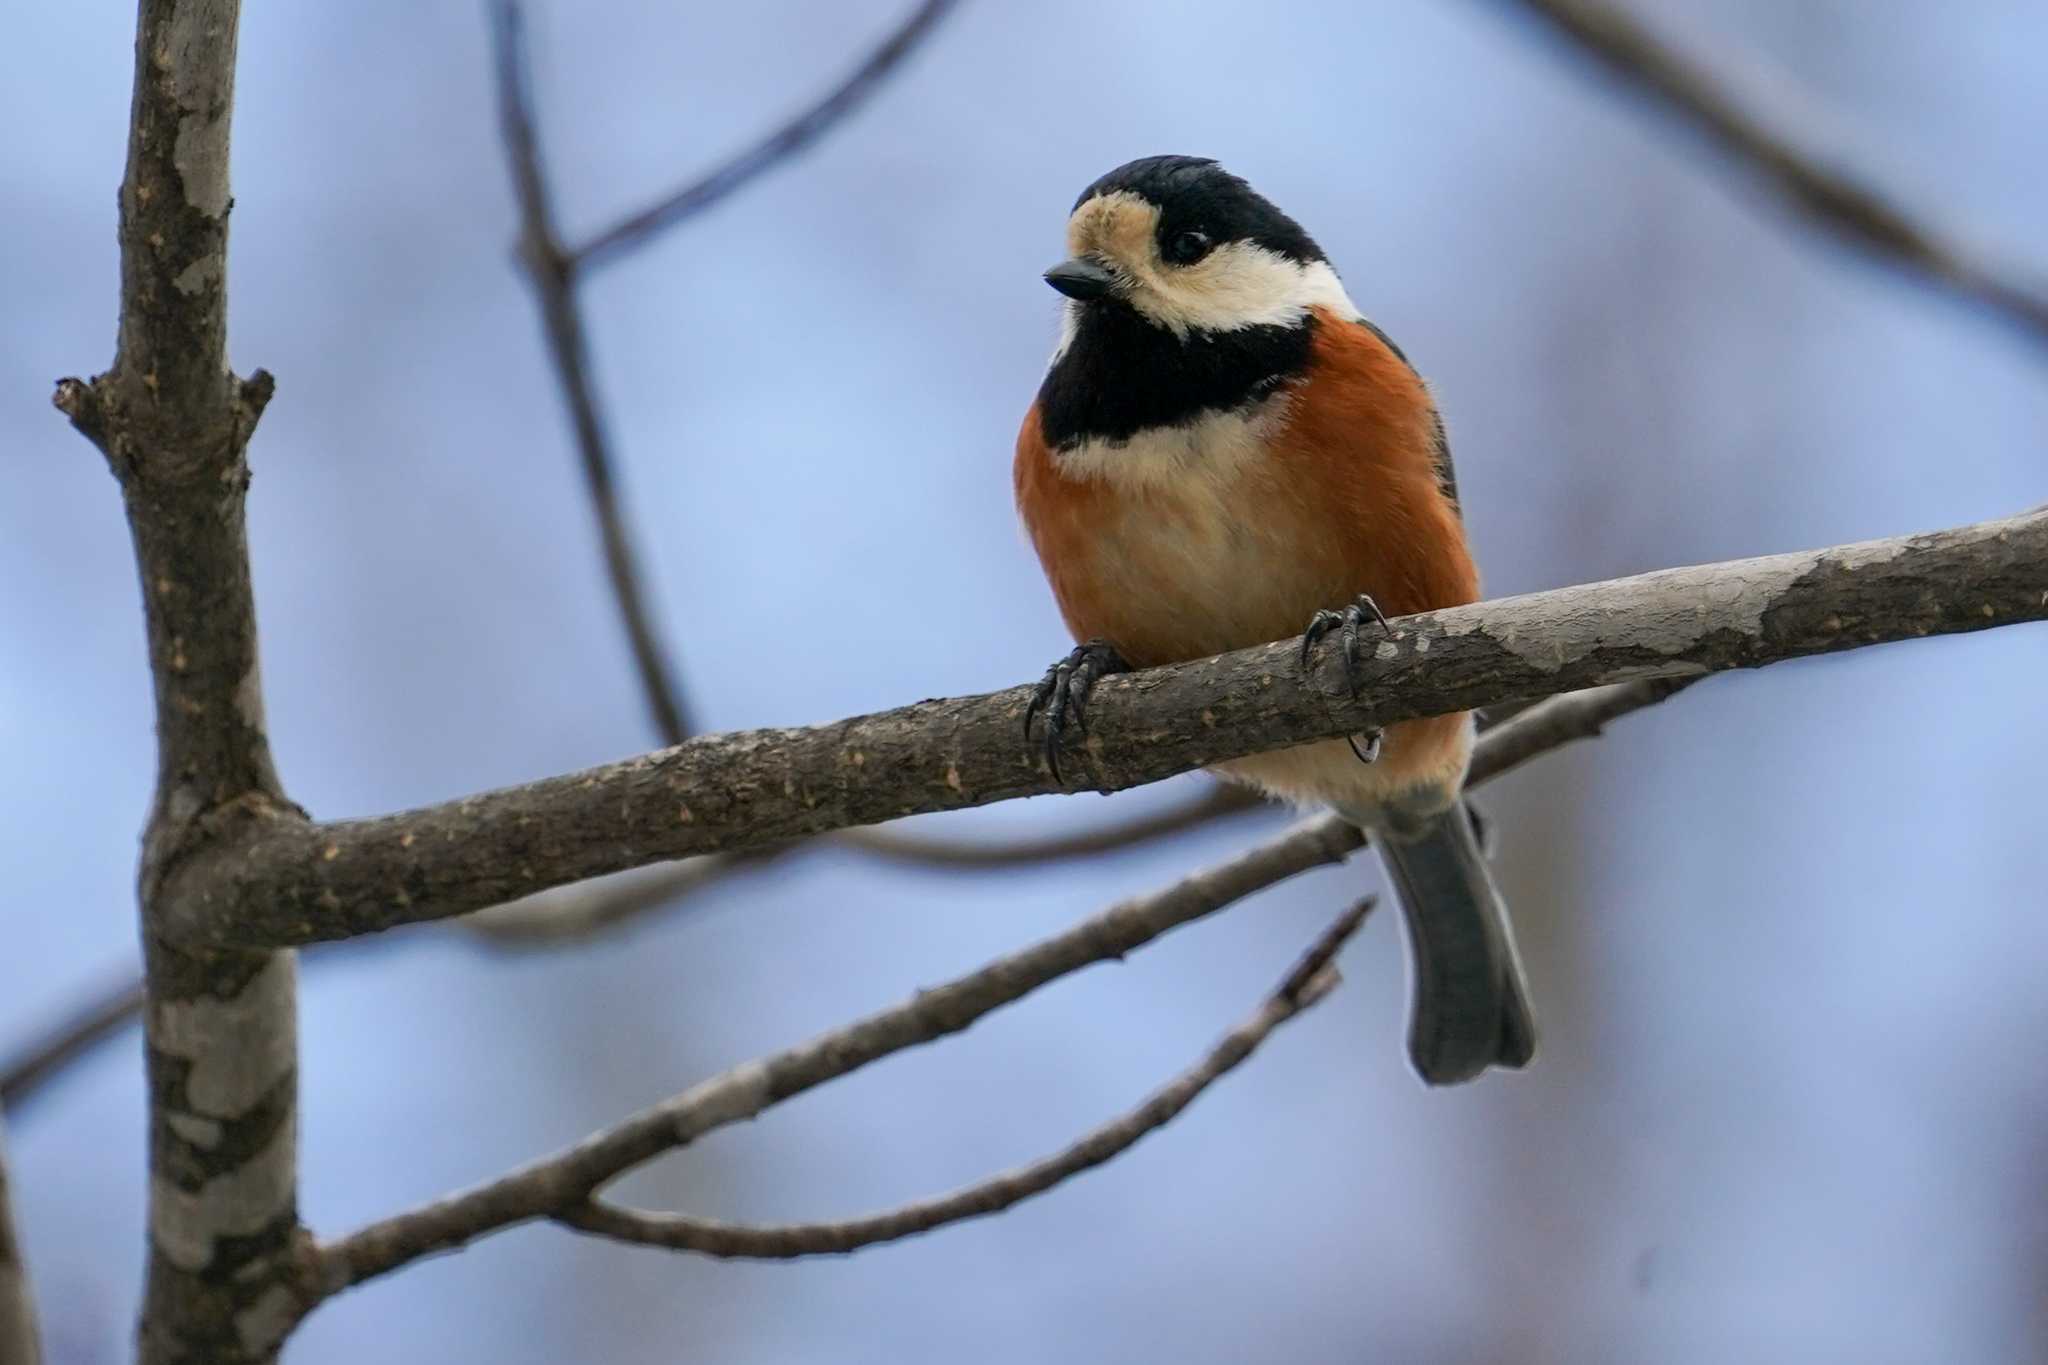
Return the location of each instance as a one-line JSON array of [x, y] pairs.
[[1471, 1003]]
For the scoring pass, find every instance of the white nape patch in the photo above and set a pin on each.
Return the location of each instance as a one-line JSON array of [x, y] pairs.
[[1239, 284], [1209, 453]]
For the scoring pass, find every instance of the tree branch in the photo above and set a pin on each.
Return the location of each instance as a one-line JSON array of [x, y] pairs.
[[19, 1342], [1311, 979], [566, 1180], [581, 909], [69, 1039], [584, 909], [744, 790], [778, 147], [552, 273], [1221, 800], [1831, 200], [1552, 724], [175, 423]]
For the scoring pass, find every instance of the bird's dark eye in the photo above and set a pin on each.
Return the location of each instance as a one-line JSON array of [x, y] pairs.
[[1188, 247]]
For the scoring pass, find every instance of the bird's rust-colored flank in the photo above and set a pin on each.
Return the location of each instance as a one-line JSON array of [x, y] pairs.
[[1334, 492]]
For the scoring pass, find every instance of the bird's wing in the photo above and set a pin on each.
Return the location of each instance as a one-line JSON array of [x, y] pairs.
[[1446, 474]]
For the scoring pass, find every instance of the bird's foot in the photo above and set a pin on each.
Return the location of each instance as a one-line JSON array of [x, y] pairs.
[[1063, 695], [1349, 624]]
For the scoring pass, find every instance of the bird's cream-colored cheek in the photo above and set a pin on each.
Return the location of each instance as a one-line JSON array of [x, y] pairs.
[[1240, 285]]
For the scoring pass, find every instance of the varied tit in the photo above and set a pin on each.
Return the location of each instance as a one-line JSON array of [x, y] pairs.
[[1223, 452]]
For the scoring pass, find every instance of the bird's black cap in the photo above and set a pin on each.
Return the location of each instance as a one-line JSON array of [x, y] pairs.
[[1193, 192]]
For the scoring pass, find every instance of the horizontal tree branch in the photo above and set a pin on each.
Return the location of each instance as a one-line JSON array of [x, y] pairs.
[[1831, 199], [765, 155], [581, 910], [722, 793], [567, 1179], [1311, 979]]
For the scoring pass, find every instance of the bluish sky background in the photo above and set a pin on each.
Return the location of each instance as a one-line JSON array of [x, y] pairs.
[[1786, 933]]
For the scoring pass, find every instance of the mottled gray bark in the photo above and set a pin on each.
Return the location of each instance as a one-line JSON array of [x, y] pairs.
[[289, 883], [225, 1260]]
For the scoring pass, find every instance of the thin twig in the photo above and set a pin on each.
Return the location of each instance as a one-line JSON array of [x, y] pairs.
[[778, 147], [69, 1039], [20, 1343], [567, 1179], [1311, 979], [1830, 199], [1219, 801], [1551, 724], [553, 274], [583, 909]]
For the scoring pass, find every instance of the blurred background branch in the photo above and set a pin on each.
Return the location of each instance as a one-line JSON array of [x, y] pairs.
[[68, 1039], [551, 271], [780, 146], [20, 1344], [564, 1183], [1311, 979], [1762, 139]]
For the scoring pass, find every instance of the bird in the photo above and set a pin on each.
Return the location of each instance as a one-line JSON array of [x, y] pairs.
[[1224, 452]]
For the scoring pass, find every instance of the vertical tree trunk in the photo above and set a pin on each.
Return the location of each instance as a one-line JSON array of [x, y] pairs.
[[225, 1274]]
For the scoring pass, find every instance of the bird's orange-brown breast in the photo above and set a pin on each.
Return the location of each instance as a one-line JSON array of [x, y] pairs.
[[1235, 533], [1331, 491]]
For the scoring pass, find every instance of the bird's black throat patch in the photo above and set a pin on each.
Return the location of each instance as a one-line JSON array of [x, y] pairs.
[[1123, 374]]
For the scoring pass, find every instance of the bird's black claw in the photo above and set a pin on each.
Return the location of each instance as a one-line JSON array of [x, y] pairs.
[[1366, 747], [1063, 695], [1347, 623], [1319, 625]]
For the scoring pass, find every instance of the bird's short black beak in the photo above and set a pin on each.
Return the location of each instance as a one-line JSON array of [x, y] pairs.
[[1081, 279]]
